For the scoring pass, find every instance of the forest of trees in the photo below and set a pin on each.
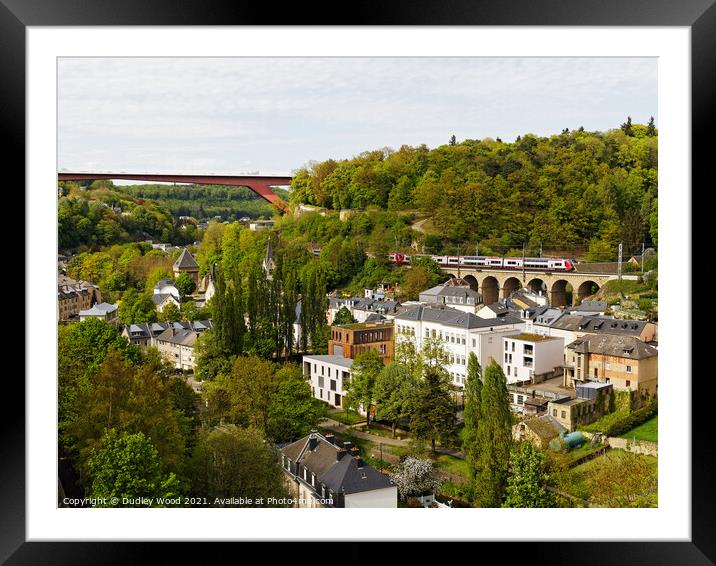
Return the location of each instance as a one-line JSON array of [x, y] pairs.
[[591, 189], [205, 201], [96, 216]]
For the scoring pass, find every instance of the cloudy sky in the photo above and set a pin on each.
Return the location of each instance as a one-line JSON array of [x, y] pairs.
[[274, 115]]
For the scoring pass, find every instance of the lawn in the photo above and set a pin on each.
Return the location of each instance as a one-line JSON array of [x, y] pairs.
[[346, 417], [648, 430]]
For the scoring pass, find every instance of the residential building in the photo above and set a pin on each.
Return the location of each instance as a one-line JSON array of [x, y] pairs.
[[328, 376], [321, 473], [177, 347], [186, 263], [145, 334], [624, 361], [460, 333], [456, 293], [73, 296], [161, 300], [570, 327], [103, 311], [533, 399], [531, 358], [591, 403], [361, 307], [351, 339]]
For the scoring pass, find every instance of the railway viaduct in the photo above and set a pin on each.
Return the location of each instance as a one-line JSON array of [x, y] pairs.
[[495, 284]]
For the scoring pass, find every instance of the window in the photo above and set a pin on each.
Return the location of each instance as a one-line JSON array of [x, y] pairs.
[[508, 370], [333, 384], [564, 414], [596, 372], [320, 381], [474, 343], [520, 399], [628, 369], [554, 412], [628, 383], [513, 346]]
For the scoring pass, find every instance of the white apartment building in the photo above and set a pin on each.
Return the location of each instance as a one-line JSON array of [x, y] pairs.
[[531, 357], [460, 334], [328, 376]]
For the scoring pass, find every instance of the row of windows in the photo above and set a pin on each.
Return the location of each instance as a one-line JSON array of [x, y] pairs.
[[460, 360]]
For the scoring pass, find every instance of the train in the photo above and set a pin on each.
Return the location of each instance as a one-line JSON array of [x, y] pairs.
[[545, 263]]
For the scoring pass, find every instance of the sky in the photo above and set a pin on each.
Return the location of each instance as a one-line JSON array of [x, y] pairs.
[[275, 115]]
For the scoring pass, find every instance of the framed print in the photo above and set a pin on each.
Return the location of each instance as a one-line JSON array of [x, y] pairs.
[[122, 107]]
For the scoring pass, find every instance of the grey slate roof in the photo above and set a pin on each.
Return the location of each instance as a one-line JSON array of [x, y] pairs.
[[590, 306], [159, 298], [100, 309], [600, 325], [186, 260], [342, 476], [452, 317], [618, 346]]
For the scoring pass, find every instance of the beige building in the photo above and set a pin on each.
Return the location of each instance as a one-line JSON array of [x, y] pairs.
[[187, 264], [74, 296], [103, 311], [177, 347], [624, 361]]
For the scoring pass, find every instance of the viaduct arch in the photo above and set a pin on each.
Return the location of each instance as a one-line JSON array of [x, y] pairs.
[[558, 286]]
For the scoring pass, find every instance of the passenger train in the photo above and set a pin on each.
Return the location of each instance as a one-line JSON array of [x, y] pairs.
[[544, 263]]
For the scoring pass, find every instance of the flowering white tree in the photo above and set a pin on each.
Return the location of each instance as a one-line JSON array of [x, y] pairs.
[[415, 477]]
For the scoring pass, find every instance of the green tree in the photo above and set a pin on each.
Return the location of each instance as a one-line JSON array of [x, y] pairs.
[[434, 410], [494, 439], [185, 284], [231, 463], [127, 466], [360, 390], [343, 316], [527, 479], [394, 393], [131, 399], [472, 414], [211, 358], [293, 411], [170, 313], [249, 387], [623, 479]]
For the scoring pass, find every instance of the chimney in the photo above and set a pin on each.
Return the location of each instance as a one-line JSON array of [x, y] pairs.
[[340, 453], [312, 441], [330, 437], [359, 461]]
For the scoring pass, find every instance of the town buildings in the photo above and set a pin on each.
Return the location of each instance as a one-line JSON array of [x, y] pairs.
[[328, 377], [460, 333], [74, 296], [102, 311], [623, 361], [349, 340], [164, 293], [531, 358], [321, 473], [186, 263]]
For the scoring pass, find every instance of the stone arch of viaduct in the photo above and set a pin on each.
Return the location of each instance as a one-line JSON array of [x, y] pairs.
[[495, 285]]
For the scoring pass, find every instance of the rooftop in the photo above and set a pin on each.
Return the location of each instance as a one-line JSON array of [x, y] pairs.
[[611, 345], [367, 325], [527, 337], [186, 260], [336, 360]]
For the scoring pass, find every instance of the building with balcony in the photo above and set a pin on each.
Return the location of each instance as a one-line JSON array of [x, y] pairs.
[[531, 358]]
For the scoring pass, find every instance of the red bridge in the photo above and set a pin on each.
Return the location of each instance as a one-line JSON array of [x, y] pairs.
[[259, 184]]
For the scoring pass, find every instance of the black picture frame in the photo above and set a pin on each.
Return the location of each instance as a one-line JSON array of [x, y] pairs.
[[699, 15]]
